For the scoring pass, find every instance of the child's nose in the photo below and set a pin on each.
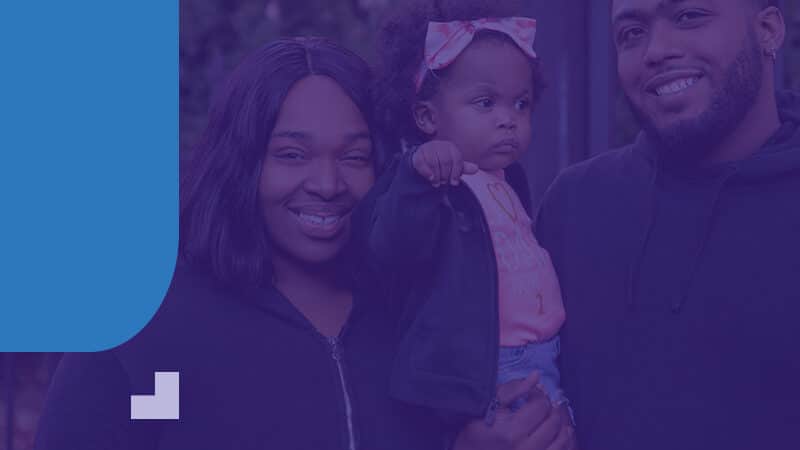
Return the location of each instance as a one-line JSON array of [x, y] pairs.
[[506, 120]]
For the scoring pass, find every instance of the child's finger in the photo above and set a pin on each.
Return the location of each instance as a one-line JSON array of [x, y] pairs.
[[457, 166], [433, 165], [445, 166], [422, 167], [425, 171], [455, 173]]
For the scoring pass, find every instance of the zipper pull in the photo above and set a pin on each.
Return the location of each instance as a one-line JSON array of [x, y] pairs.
[[336, 352]]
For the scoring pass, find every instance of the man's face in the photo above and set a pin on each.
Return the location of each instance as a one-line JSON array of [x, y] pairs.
[[691, 69]]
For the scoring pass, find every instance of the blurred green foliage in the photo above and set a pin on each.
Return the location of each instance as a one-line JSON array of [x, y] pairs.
[[216, 34]]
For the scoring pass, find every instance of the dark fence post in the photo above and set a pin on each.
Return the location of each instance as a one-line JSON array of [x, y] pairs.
[[559, 120], [602, 78]]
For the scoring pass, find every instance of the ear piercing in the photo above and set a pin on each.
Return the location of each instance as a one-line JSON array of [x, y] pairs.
[[772, 53]]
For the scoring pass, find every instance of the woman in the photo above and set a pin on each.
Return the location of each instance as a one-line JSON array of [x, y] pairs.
[[282, 341]]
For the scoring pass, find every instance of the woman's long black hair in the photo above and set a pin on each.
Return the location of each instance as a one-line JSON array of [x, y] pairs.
[[221, 224]]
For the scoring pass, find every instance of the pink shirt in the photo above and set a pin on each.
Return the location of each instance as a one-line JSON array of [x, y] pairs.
[[530, 303]]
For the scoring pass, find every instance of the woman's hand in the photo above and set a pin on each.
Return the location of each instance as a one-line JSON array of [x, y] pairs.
[[537, 425]]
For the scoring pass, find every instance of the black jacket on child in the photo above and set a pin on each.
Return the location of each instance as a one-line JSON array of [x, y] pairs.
[[682, 288], [436, 243], [254, 374]]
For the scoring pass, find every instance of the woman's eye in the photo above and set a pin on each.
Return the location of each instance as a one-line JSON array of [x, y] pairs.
[[358, 157], [290, 155]]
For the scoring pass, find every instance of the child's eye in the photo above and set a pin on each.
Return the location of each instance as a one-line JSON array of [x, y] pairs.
[[522, 104], [484, 102]]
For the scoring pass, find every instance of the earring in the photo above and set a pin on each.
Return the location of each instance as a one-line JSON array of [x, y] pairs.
[[772, 53]]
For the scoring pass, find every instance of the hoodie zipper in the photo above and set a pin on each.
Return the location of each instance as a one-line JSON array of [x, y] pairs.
[[336, 354], [334, 345]]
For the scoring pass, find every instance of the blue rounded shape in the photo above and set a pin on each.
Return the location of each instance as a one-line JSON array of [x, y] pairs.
[[88, 170]]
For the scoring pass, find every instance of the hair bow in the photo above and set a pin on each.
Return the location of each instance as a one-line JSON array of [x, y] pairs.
[[444, 41]]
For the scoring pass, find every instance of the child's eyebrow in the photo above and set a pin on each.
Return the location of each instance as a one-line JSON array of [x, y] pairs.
[[524, 92], [482, 88]]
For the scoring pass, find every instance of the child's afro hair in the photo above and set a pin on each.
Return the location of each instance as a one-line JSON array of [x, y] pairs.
[[400, 50]]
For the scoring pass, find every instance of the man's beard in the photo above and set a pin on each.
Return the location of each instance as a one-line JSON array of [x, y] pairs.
[[690, 141]]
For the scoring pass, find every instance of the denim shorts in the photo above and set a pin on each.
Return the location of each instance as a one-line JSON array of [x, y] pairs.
[[516, 363]]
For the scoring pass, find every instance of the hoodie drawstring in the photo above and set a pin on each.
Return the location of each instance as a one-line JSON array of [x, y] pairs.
[[636, 262], [680, 300]]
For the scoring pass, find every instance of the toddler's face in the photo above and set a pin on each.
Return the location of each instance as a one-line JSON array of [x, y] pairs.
[[484, 104]]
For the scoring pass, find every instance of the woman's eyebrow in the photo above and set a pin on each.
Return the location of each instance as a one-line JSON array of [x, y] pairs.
[[292, 134], [306, 137], [352, 137]]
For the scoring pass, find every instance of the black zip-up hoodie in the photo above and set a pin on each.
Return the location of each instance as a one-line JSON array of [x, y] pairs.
[[435, 244], [254, 374], [682, 288]]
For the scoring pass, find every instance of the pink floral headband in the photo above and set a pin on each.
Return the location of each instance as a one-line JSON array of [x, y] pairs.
[[446, 40]]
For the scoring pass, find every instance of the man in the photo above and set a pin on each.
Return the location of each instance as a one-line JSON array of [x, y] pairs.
[[679, 256]]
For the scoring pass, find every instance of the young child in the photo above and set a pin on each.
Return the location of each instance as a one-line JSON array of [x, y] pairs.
[[483, 305]]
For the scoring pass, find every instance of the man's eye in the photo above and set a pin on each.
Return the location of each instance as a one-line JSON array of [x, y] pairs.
[[630, 34], [688, 16]]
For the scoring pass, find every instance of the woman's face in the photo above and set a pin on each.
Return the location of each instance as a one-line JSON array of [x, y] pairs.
[[317, 167]]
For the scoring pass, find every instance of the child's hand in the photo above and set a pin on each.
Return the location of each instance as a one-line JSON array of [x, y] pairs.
[[440, 162]]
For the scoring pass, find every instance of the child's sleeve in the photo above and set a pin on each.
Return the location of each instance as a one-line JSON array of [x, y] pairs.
[[405, 218]]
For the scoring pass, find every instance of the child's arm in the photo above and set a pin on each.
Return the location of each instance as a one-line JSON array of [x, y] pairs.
[[406, 218]]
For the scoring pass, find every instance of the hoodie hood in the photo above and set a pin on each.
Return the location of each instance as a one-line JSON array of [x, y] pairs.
[[779, 157]]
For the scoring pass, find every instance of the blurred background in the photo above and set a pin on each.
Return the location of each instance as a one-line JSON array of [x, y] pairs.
[[581, 113]]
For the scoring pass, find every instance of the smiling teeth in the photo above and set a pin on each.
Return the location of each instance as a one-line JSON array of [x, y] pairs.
[[676, 86], [318, 220]]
